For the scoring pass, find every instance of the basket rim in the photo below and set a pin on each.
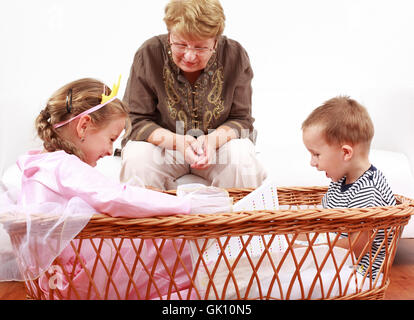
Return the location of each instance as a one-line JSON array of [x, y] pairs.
[[403, 211]]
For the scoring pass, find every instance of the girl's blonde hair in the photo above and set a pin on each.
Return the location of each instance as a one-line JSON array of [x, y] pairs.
[[86, 93], [343, 120], [195, 19]]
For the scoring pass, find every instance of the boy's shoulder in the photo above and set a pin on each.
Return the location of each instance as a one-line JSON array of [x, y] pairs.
[[373, 178], [371, 189]]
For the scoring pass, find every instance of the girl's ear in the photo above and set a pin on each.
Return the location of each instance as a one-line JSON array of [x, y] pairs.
[[83, 124], [347, 152]]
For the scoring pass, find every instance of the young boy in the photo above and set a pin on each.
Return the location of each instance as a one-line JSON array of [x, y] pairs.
[[338, 136]]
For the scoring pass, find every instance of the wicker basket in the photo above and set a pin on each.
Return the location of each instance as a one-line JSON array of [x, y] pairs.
[[297, 272]]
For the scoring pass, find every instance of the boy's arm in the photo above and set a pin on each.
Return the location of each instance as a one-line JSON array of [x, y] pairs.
[[355, 240], [370, 196]]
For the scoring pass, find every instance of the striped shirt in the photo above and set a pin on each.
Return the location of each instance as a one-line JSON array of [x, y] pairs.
[[370, 190]]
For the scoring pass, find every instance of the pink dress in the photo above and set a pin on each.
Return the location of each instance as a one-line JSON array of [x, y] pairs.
[[58, 177]]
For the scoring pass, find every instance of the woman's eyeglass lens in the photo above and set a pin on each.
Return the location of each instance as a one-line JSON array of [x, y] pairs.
[[182, 48]]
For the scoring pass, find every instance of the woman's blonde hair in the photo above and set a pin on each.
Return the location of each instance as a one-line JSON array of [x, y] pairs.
[[195, 19], [343, 120], [86, 93]]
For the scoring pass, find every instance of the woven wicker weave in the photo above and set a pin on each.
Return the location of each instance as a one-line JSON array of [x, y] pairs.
[[178, 232]]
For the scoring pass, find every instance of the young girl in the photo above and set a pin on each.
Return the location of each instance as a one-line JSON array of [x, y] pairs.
[[78, 127]]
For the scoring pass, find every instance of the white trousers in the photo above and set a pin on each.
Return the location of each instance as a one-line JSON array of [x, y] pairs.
[[235, 165]]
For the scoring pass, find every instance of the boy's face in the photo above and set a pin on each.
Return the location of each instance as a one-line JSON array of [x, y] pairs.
[[324, 157]]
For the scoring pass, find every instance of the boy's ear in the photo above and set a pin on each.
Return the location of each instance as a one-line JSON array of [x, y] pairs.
[[347, 152], [83, 124]]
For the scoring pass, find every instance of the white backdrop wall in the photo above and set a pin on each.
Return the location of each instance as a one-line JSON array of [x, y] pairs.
[[302, 52]]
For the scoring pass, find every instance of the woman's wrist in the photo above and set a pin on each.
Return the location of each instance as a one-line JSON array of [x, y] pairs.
[[169, 140], [221, 136], [163, 138], [178, 142]]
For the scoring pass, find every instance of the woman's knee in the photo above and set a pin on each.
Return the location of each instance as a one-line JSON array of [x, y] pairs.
[[236, 152], [139, 158], [238, 166], [141, 152]]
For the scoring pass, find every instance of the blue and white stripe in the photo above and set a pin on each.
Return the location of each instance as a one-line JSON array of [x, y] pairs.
[[370, 190]]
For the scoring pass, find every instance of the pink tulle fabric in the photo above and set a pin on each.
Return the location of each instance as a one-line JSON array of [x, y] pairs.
[[65, 181], [57, 177], [119, 284]]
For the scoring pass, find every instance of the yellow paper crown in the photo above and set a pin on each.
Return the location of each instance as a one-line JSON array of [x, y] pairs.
[[114, 92]]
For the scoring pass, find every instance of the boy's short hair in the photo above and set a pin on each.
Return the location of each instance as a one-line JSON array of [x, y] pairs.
[[343, 120], [195, 19]]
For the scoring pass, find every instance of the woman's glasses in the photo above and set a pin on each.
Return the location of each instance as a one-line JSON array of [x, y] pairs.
[[181, 48]]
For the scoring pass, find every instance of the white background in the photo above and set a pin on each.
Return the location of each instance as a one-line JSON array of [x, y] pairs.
[[302, 52]]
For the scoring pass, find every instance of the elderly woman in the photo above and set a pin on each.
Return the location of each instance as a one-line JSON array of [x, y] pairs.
[[189, 94]]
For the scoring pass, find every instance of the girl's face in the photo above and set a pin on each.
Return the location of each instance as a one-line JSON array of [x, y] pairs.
[[191, 56], [98, 142], [324, 156]]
